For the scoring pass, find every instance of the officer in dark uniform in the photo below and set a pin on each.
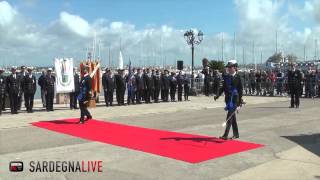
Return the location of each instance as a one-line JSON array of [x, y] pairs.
[[173, 86], [140, 86], [108, 83], [14, 90], [149, 84], [205, 72], [21, 75], [120, 79], [233, 90], [75, 93], [85, 95], [294, 82], [41, 83], [165, 85], [49, 89], [131, 86], [180, 85], [2, 90], [157, 86], [29, 89], [186, 87]]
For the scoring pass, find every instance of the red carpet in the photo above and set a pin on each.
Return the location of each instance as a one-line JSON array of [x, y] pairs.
[[180, 146]]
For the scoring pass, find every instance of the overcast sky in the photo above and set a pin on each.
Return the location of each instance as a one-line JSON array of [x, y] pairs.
[[34, 32]]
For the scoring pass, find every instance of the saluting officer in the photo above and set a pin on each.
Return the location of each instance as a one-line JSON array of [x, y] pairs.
[[49, 89], [29, 89], [233, 90], [294, 82], [2, 90], [85, 95], [14, 90]]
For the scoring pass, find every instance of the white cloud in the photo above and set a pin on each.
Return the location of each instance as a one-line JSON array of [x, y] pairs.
[[75, 23], [7, 13]]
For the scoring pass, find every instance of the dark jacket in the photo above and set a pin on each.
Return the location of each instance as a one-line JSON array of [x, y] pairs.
[[2, 84], [140, 82], [108, 82], [14, 84], [85, 89], [173, 82], [41, 81], [165, 84], [149, 83], [29, 84], [49, 82], [76, 83], [157, 81], [294, 79], [235, 84], [120, 82]]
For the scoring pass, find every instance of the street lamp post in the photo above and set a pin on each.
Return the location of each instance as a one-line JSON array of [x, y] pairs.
[[193, 39]]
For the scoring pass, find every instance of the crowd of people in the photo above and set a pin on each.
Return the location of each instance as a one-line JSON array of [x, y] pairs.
[[152, 85], [141, 86], [266, 82]]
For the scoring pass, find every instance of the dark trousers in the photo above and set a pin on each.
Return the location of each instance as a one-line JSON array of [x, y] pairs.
[[120, 96], [295, 97], [14, 101], [165, 94], [108, 97], [43, 97], [180, 93], [20, 101], [186, 92], [28, 101], [173, 94], [73, 100], [232, 122], [131, 96], [139, 95], [49, 100], [2, 100], [156, 94], [148, 94], [84, 111]]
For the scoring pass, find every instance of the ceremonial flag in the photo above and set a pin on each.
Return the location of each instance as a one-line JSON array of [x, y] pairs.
[[64, 75]]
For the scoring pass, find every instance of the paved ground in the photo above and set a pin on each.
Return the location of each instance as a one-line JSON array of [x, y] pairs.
[[291, 138]]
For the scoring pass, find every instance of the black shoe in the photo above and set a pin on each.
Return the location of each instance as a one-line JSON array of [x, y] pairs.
[[81, 121], [223, 137], [235, 137], [89, 117]]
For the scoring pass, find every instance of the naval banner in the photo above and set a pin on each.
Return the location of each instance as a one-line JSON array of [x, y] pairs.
[[64, 75]]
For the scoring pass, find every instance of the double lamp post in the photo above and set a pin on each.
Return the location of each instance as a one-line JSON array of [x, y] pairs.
[[193, 39]]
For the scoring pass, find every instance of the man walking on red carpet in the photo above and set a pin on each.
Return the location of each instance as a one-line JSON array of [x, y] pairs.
[[232, 88], [85, 95]]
